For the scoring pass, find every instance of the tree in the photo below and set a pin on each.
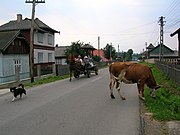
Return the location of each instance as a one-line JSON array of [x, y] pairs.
[[75, 49], [127, 56], [124, 56], [110, 52], [130, 53]]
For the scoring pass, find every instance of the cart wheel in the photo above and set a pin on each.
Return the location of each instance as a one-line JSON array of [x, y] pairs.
[[76, 75], [96, 71], [88, 74]]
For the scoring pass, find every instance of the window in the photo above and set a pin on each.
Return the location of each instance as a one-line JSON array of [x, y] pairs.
[[49, 57], [40, 37], [17, 66], [40, 57], [19, 43], [50, 39]]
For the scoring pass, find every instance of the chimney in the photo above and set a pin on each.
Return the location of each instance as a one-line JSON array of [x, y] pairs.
[[19, 18]]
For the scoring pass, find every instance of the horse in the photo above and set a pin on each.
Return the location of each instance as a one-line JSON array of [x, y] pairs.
[[71, 61]]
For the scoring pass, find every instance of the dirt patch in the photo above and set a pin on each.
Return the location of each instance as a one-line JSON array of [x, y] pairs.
[[151, 126]]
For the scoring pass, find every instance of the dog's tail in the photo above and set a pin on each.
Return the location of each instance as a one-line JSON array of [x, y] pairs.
[[21, 85]]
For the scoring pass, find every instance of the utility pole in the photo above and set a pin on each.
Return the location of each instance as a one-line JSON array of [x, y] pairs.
[[31, 53], [146, 50], [98, 46], [110, 52], [118, 50], [161, 23]]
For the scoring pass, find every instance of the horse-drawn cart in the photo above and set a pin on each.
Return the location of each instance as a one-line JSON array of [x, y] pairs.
[[86, 69], [87, 66]]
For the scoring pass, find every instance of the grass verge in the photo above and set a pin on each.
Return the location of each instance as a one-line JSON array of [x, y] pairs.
[[166, 105], [46, 80]]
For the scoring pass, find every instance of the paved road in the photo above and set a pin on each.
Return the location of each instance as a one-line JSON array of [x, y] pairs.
[[80, 107]]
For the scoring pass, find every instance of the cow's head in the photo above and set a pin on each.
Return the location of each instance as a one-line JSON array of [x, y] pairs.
[[154, 90]]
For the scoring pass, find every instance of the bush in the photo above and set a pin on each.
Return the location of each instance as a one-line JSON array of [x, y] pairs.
[[96, 58]]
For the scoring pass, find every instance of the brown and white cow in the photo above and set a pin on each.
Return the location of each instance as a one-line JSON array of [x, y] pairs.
[[129, 73]]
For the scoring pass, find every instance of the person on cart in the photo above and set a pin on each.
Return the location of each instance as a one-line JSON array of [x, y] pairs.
[[88, 61], [80, 62]]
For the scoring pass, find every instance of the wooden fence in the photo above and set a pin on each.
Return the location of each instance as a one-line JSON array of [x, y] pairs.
[[171, 69]]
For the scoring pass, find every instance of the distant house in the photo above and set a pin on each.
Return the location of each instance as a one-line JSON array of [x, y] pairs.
[[166, 52], [60, 57], [101, 53], [150, 47], [154, 53], [14, 56], [44, 50]]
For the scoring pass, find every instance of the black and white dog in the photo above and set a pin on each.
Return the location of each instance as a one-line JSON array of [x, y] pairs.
[[17, 91]]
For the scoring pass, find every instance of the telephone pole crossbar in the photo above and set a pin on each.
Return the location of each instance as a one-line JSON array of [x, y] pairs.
[[36, 1]]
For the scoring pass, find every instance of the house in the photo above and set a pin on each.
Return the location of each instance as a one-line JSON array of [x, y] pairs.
[[150, 47], [101, 53], [44, 50], [178, 33], [62, 68], [60, 57], [14, 56], [166, 52], [88, 49], [168, 55]]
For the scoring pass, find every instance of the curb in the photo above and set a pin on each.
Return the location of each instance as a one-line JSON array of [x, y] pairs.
[[149, 126], [4, 92], [142, 123]]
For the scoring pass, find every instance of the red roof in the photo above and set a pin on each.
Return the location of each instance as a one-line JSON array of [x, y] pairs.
[[95, 53]]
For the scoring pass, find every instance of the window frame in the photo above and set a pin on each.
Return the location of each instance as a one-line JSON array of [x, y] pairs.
[[17, 63], [40, 57], [40, 37]]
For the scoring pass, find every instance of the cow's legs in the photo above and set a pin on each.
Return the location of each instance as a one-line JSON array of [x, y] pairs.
[[141, 90], [118, 87], [111, 86]]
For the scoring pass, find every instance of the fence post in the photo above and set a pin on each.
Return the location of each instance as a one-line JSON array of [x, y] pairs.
[[175, 72], [17, 74], [167, 69], [39, 71], [54, 69]]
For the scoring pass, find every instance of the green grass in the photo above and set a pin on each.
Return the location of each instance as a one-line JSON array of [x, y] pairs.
[[166, 105], [46, 80]]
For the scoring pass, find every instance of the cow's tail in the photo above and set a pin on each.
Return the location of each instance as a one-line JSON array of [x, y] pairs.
[[110, 66]]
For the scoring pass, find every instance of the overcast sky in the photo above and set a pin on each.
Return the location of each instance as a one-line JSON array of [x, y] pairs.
[[127, 23]]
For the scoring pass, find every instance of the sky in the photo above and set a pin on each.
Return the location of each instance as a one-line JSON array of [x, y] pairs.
[[129, 24]]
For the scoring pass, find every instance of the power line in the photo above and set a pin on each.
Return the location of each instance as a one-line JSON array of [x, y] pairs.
[[153, 32], [172, 8]]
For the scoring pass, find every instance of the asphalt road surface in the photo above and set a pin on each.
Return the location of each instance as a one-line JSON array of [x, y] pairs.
[[80, 107]]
